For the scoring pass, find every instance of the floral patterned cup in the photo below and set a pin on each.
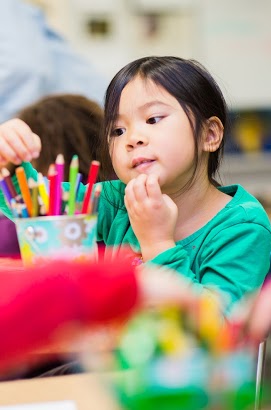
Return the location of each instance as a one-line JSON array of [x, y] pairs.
[[57, 237]]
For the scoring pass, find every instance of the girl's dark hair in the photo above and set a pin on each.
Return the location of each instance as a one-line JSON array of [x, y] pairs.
[[186, 80], [68, 124]]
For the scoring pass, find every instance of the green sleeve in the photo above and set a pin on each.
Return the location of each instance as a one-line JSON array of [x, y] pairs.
[[227, 262], [111, 203]]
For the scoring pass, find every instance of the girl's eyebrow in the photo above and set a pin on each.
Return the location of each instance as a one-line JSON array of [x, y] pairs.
[[150, 104], [145, 106]]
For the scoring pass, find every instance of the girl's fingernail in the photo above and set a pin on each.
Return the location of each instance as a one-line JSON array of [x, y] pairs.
[[17, 160]]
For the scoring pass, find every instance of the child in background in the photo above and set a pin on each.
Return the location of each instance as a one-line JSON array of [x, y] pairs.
[[68, 124], [165, 119]]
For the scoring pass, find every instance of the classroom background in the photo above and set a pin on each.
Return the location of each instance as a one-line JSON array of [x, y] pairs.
[[231, 38]]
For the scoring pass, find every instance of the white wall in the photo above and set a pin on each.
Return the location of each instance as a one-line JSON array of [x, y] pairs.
[[231, 37]]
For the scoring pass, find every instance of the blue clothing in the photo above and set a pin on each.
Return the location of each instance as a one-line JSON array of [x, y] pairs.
[[37, 61]]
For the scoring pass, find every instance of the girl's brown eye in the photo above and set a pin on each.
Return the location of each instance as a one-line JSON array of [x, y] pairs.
[[117, 132], [153, 120]]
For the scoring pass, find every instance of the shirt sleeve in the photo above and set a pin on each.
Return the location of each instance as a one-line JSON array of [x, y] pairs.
[[34, 303], [233, 263]]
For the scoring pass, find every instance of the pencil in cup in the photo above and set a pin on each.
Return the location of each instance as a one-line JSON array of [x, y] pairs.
[[22, 181], [94, 207], [34, 189], [5, 190], [92, 177], [59, 164], [7, 178], [74, 166], [52, 189], [43, 192]]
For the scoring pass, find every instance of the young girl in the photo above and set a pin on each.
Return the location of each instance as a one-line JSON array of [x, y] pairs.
[[165, 118]]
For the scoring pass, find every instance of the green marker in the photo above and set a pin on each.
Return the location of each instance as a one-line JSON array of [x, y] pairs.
[[72, 179]]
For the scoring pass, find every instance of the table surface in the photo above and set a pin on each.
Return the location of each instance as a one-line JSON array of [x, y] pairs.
[[88, 391]]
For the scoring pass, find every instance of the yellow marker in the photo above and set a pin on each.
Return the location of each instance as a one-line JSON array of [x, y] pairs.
[[210, 319], [34, 197], [43, 192]]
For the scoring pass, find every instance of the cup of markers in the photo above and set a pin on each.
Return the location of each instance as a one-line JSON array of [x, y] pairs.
[[52, 222]]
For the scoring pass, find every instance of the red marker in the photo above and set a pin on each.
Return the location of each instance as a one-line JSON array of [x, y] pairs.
[[92, 177]]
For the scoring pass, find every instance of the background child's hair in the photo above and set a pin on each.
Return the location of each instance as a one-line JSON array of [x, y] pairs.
[[186, 80], [68, 124]]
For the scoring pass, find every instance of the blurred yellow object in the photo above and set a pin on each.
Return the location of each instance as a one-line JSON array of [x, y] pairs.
[[248, 132], [210, 319]]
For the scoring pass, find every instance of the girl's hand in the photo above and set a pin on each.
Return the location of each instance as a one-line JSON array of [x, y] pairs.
[[17, 142], [153, 215], [160, 286], [258, 321]]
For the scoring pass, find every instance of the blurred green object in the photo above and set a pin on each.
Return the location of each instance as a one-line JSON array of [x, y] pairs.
[[158, 373]]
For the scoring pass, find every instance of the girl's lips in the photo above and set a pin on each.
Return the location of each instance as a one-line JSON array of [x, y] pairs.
[[141, 161], [142, 166]]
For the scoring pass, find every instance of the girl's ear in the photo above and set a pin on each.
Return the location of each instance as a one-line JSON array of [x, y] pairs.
[[213, 134]]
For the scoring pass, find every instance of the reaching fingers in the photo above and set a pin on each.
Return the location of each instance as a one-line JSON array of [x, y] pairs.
[[29, 144], [18, 143]]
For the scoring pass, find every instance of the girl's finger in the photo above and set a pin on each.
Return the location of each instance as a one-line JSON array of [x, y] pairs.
[[153, 187], [8, 153], [36, 148], [30, 140], [139, 188], [129, 193], [17, 135], [17, 145]]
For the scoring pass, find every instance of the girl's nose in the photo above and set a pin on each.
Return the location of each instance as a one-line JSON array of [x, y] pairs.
[[134, 140]]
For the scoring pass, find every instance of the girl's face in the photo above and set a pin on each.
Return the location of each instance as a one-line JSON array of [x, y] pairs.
[[152, 135]]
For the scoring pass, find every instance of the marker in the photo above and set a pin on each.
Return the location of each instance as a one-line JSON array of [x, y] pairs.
[[14, 209], [60, 164], [8, 180], [5, 190], [92, 176], [34, 196], [43, 192], [96, 199], [21, 177], [72, 179], [52, 189], [78, 181]]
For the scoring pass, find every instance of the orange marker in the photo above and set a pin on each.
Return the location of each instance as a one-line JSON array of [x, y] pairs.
[[22, 181]]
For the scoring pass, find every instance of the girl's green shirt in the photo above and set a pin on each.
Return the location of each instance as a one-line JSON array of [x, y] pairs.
[[231, 253]]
